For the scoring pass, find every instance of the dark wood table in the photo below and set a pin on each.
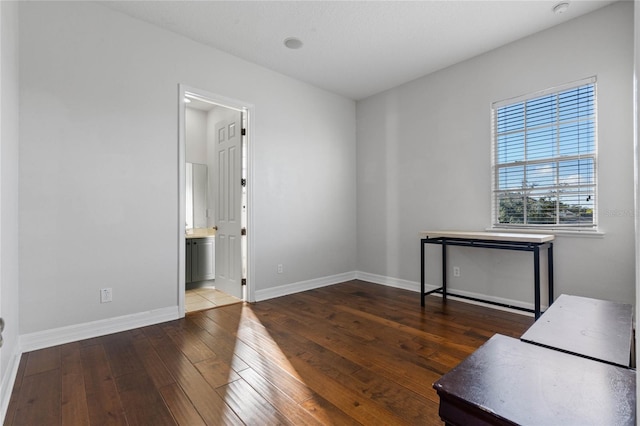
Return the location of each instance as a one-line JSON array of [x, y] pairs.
[[591, 328], [507, 381]]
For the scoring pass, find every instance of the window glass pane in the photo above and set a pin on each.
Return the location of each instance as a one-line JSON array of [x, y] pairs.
[[576, 103], [576, 207], [576, 172], [511, 177], [541, 143], [541, 207], [510, 118], [541, 175], [510, 148], [541, 111], [511, 208], [577, 138]]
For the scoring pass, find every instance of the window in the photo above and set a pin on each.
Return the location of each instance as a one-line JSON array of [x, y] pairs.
[[544, 159]]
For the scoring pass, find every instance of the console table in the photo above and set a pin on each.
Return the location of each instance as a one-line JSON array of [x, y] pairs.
[[493, 240], [510, 382]]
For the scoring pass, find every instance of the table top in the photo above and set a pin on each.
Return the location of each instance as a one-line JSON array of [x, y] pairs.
[[490, 236], [593, 328], [526, 384]]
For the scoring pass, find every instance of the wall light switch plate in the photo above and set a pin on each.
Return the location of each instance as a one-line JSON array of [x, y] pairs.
[[106, 295]]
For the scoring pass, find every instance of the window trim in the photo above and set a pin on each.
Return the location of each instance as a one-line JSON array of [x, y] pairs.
[[495, 211]]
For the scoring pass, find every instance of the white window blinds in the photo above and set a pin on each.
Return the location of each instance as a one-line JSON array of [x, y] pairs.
[[544, 158]]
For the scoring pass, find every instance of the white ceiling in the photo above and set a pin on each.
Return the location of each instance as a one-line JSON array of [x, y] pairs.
[[355, 48]]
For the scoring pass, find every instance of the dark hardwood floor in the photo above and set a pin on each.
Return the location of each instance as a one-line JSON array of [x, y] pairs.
[[352, 353]]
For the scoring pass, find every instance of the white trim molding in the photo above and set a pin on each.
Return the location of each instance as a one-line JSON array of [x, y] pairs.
[[8, 380], [415, 286], [88, 330], [298, 287], [391, 282]]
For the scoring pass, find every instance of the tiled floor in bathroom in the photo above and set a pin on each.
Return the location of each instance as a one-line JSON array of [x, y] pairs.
[[198, 299]]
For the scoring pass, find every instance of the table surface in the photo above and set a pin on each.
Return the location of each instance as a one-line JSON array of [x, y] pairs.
[[490, 236], [509, 381], [593, 328]]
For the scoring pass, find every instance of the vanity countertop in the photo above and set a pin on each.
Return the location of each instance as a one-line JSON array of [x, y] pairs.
[[200, 232]]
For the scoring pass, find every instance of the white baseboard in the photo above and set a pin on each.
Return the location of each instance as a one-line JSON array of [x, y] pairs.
[[7, 382], [286, 289], [88, 330], [391, 282], [415, 286], [511, 302]]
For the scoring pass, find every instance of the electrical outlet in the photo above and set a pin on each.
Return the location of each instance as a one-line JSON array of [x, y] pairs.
[[106, 295], [280, 268], [456, 271]]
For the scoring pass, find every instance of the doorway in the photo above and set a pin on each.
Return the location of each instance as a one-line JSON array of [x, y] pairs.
[[214, 168]]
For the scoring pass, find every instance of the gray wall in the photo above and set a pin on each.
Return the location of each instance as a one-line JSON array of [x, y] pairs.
[[99, 165], [636, 51], [424, 163], [9, 189], [195, 135]]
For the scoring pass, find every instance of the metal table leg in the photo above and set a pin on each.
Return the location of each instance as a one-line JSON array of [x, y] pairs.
[[550, 268], [536, 280], [422, 273], [444, 270]]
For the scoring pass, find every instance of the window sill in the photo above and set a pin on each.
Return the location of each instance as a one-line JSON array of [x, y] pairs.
[[584, 233]]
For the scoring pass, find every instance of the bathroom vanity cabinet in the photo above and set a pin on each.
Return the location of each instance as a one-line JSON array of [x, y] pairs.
[[200, 262]]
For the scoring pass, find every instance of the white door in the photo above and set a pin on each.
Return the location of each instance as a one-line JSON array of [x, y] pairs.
[[227, 175]]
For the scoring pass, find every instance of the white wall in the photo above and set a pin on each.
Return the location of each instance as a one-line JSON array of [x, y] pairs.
[[8, 192], [424, 163], [99, 165], [636, 74], [195, 136]]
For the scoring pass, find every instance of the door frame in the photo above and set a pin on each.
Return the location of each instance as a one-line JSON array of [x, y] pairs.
[[249, 110]]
